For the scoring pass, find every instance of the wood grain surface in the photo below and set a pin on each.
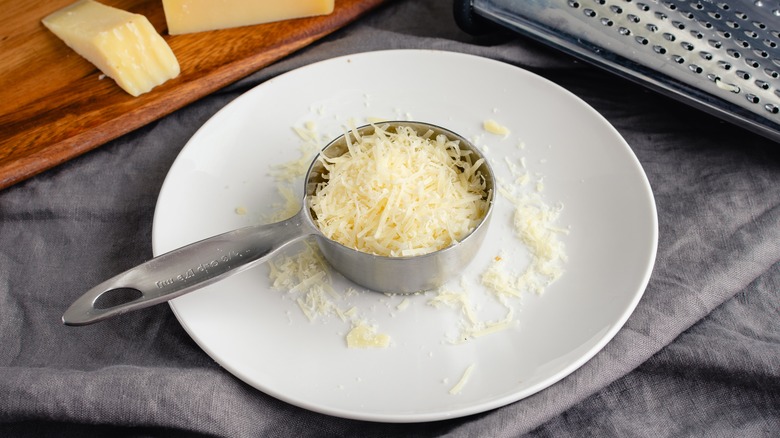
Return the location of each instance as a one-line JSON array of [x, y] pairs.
[[54, 106]]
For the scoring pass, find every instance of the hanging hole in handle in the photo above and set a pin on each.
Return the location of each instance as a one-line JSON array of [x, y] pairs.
[[116, 297]]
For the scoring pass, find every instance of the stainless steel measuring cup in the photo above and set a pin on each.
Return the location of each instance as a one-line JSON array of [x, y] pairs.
[[204, 262]]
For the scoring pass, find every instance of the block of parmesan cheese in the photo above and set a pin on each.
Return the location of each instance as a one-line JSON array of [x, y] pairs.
[[188, 16], [123, 45]]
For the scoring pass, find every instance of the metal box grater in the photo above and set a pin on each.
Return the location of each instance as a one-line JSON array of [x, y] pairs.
[[719, 56]]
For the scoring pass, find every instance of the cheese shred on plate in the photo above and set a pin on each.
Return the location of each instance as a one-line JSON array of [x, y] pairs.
[[400, 194], [463, 380]]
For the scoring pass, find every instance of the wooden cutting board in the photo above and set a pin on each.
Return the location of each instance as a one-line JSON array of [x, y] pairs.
[[54, 106]]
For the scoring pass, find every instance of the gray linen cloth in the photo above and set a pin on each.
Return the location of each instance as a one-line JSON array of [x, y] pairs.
[[700, 356]]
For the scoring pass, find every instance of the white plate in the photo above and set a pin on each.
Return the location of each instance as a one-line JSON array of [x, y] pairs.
[[258, 333]]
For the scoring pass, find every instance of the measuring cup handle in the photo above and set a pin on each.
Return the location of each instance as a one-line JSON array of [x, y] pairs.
[[185, 269]]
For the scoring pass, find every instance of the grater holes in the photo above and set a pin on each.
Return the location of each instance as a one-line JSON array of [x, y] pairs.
[[777, 93], [762, 84], [601, 2], [776, 12], [776, 62], [759, 25], [775, 33], [589, 12], [718, 25], [733, 53], [574, 4], [761, 53]]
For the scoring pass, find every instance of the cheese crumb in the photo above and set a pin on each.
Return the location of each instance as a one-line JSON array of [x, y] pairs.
[[494, 127], [534, 223], [463, 380], [501, 282], [726, 86], [306, 277], [288, 173], [471, 324], [290, 205], [296, 169], [365, 336]]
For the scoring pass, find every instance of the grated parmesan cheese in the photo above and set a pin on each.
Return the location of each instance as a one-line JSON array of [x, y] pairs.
[[400, 179], [534, 223], [494, 127], [306, 276], [295, 169], [471, 325], [726, 86], [463, 380], [290, 205], [400, 194], [365, 336]]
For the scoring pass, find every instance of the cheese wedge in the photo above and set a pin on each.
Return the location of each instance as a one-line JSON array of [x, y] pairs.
[[188, 16], [123, 45]]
